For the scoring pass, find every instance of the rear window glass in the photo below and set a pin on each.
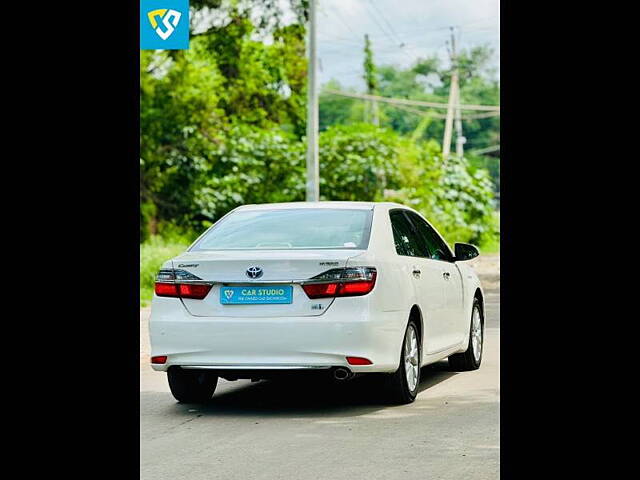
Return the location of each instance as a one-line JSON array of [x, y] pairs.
[[287, 229]]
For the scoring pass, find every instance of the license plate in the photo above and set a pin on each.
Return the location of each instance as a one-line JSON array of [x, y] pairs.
[[256, 295]]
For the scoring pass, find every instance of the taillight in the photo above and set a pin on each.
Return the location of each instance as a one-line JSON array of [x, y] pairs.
[[341, 282], [193, 290], [181, 284], [166, 289]]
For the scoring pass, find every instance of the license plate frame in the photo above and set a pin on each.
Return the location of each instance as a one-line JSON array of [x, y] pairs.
[[256, 295]]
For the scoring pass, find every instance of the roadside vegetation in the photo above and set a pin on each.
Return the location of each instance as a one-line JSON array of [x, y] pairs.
[[223, 124], [153, 253]]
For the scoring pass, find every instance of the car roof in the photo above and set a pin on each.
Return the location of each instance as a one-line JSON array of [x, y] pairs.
[[333, 204]]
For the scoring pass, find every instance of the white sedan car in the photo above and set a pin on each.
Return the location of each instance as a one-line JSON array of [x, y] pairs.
[[333, 288]]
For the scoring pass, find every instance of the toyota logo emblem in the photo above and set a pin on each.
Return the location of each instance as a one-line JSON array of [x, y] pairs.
[[254, 272]]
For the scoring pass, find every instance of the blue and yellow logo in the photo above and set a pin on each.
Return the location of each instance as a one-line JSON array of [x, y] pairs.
[[164, 24]]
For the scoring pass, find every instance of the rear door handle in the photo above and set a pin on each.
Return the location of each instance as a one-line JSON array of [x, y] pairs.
[[416, 271], [446, 275]]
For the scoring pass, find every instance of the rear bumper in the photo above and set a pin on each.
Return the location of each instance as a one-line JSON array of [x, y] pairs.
[[349, 328]]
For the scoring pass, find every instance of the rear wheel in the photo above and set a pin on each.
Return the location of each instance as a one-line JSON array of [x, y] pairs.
[[191, 386], [402, 386], [471, 359]]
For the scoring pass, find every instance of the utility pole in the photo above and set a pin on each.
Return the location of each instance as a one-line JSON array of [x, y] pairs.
[[371, 107], [460, 139], [313, 168], [453, 100]]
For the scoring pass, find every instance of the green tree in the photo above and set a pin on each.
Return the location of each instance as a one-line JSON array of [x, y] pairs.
[[192, 100], [428, 79], [222, 124]]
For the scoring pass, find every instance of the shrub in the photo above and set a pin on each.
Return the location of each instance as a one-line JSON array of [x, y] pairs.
[[153, 253], [359, 162]]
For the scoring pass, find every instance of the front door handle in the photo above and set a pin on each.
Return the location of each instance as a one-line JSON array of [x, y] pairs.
[[446, 275], [416, 272]]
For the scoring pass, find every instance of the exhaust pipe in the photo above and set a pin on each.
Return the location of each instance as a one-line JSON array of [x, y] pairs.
[[341, 373]]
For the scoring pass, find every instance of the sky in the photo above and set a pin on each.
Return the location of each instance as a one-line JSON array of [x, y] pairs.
[[421, 25]]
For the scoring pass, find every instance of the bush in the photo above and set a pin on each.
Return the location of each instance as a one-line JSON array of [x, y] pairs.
[[359, 162], [250, 165], [363, 162]]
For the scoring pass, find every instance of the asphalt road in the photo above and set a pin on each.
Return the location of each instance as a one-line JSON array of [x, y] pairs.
[[274, 430]]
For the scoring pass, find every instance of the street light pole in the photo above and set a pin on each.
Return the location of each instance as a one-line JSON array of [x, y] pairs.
[[313, 169]]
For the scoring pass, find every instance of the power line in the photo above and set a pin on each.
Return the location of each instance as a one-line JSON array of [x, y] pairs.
[[400, 42], [379, 25], [404, 101], [439, 116], [407, 32], [406, 37], [478, 116], [343, 21], [480, 151]]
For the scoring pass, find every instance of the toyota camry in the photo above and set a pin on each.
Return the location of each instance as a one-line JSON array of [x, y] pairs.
[[336, 289]]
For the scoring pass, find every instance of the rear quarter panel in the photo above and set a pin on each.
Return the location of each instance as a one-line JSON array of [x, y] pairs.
[[393, 295], [394, 290]]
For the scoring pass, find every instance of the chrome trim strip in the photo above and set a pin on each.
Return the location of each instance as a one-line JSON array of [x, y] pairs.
[[259, 281], [257, 367]]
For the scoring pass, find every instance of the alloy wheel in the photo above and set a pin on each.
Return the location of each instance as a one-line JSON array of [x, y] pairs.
[[476, 334], [411, 358]]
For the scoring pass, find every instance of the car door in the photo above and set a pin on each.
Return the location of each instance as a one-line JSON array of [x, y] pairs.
[[426, 277], [439, 251]]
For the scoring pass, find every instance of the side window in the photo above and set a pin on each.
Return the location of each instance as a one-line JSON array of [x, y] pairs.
[[398, 239], [407, 242], [438, 250]]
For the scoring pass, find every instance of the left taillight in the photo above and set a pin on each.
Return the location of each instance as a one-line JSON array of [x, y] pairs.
[[181, 284], [341, 282]]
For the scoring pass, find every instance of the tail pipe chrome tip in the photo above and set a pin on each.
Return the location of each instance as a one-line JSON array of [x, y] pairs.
[[341, 373]]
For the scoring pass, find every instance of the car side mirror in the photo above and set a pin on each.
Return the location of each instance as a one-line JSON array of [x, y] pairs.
[[465, 251]]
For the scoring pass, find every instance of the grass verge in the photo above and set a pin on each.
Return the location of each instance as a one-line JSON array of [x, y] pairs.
[[153, 253]]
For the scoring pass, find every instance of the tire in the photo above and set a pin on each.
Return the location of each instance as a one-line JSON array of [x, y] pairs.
[[401, 387], [191, 386], [472, 358]]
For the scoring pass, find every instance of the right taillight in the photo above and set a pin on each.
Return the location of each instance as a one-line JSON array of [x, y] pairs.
[[341, 282], [181, 284]]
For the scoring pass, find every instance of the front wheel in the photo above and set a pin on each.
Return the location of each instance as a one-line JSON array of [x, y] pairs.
[[471, 359], [191, 386], [402, 385]]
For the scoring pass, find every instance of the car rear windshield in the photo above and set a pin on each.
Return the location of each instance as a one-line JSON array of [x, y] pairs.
[[285, 229]]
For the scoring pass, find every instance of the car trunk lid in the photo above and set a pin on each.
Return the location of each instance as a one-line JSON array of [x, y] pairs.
[[273, 270]]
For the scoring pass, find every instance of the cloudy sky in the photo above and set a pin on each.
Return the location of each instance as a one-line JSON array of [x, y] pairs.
[[400, 31]]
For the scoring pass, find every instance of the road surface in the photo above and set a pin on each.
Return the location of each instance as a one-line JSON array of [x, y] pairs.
[[273, 430]]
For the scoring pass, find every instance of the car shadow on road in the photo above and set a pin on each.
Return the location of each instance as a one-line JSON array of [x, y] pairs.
[[359, 396]]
